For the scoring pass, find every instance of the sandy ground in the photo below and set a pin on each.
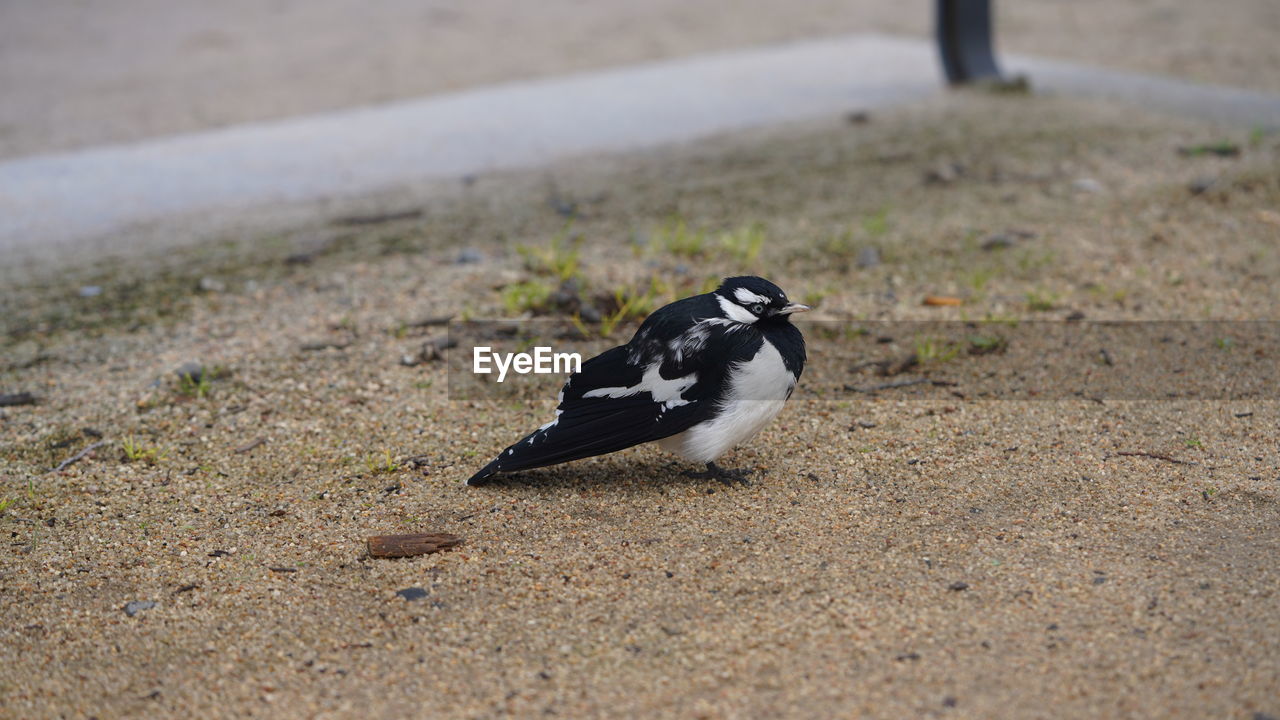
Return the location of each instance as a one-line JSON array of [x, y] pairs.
[[920, 550], [80, 74]]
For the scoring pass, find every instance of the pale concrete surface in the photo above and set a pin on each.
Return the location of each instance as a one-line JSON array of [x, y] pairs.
[[203, 183], [49, 201], [75, 74]]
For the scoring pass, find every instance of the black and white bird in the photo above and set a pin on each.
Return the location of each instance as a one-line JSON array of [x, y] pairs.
[[700, 376]]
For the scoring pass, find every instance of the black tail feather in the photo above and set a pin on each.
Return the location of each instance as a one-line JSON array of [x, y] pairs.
[[483, 475]]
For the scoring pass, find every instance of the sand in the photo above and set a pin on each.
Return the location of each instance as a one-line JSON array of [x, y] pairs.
[[921, 550]]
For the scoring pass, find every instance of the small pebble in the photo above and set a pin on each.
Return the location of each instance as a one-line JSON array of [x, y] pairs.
[[18, 398], [958, 586], [192, 371], [1201, 185], [1089, 185], [90, 291], [944, 173], [468, 256], [412, 593], [137, 606], [868, 257], [999, 241], [212, 285]]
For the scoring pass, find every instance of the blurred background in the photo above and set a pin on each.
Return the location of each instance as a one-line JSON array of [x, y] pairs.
[[79, 73]]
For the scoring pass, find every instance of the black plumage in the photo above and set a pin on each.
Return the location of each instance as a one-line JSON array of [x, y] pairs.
[[675, 374]]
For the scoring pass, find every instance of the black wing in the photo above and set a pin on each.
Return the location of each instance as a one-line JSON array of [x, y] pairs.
[[610, 404]]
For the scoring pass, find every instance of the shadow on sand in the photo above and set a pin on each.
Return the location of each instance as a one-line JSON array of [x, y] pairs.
[[621, 474]]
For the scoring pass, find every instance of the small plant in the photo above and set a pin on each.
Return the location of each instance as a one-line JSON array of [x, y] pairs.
[[1221, 148], [1193, 442], [814, 297], [196, 385], [381, 465], [980, 278], [841, 245], [1001, 319], [826, 332], [6, 503], [877, 224], [528, 296], [933, 350], [680, 241], [561, 258], [627, 306], [1041, 300], [744, 244], [137, 452], [580, 325], [1030, 259], [1224, 343], [986, 344], [609, 322]]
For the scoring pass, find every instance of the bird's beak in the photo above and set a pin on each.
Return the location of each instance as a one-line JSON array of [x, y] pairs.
[[794, 308]]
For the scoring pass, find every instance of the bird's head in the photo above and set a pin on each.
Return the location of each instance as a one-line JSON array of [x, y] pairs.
[[749, 299]]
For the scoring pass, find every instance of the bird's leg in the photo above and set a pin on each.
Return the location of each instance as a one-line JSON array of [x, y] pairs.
[[715, 472]]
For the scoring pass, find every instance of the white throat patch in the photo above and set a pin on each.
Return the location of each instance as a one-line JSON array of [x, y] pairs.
[[736, 312]]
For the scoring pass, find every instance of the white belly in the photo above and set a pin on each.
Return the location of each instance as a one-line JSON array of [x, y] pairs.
[[757, 390]]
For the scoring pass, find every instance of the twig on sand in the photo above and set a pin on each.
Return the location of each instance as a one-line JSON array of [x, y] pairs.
[[79, 456], [249, 446], [324, 345], [1154, 456], [430, 321], [20, 398], [887, 385], [898, 384], [395, 546], [377, 218]]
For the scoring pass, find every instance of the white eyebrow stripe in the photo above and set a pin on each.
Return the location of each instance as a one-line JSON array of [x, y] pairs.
[[747, 297]]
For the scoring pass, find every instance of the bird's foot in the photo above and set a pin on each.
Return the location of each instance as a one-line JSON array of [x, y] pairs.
[[715, 472]]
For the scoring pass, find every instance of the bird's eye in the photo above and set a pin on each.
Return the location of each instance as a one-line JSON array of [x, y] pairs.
[[757, 309]]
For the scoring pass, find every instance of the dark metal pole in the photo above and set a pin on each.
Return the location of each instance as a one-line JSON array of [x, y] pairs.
[[964, 40]]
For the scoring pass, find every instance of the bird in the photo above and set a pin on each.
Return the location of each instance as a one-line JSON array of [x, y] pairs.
[[699, 376]]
